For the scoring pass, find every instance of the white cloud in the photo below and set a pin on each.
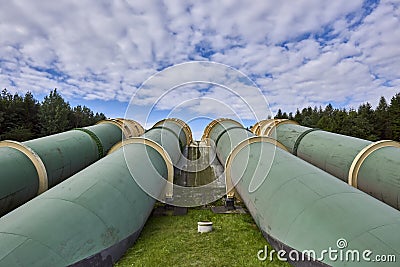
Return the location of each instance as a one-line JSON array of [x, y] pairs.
[[300, 53]]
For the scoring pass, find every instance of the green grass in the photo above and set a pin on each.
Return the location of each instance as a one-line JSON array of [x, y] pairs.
[[174, 241]]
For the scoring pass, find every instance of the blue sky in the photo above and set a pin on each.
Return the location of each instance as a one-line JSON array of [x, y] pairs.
[[298, 53]]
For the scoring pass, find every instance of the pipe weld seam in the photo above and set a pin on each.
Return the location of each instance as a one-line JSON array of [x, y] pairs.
[[248, 141], [362, 155], [34, 158], [301, 136], [96, 139]]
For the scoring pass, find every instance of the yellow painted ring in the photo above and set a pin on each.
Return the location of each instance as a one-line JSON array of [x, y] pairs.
[[135, 129], [237, 149], [185, 127], [362, 155], [268, 128], [210, 126], [256, 127], [159, 149], [129, 128], [34, 158]]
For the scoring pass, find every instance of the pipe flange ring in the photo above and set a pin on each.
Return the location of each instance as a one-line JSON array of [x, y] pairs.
[[265, 124], [267, 129], [132, 127], [227, 130], [210, 126], [301, 136], [129, 128], [256, 127], [237, 149], [168, 130], [362, 155], [185, 128], [95, 138], [34, 158], [126, 133]]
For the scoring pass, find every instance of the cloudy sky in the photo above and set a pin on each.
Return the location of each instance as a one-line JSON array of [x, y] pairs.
[[298, 53]]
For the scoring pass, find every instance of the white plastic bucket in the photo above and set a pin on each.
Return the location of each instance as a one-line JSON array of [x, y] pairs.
[[204, 227]]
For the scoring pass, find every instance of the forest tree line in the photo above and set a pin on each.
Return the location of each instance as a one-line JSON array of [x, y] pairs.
[[380, 123], [22, 117]]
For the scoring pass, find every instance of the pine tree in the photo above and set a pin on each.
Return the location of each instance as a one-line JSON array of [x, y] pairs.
[[297, 117], [279, 114], [23, 117], [365, 122], [382, 123], [394, 115], [54, 114], [99, 117]]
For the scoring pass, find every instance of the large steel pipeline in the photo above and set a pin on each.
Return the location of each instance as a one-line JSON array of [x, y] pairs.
[[299, 207], [93, 217], [28, 169], [372, 167]]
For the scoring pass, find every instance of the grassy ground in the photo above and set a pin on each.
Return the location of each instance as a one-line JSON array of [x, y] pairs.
[[174, 241]]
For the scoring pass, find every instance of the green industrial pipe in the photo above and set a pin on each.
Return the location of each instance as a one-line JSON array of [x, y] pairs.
[[180, 127], [91, 218], [371, 167], [300, 208], [30, 168]]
